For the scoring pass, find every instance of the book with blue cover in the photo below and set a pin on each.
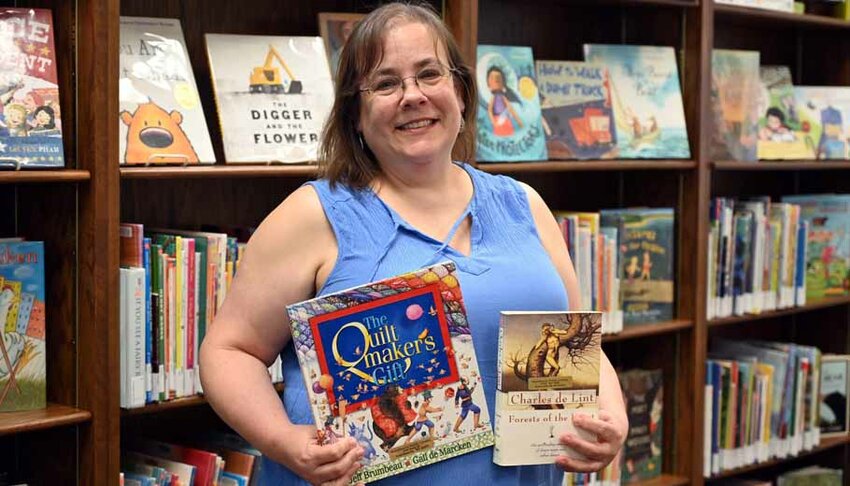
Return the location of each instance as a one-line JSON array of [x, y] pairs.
[[510, 127], [647, 100], [392, 364]]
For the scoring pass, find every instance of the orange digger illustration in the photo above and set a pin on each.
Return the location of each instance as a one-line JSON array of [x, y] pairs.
[[267, 79], [154, 136]]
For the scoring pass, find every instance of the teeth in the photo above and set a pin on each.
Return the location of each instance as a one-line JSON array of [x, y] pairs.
[[418, 124]]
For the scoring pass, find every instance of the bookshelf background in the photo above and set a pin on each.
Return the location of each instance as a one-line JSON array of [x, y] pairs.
[[76, 211]]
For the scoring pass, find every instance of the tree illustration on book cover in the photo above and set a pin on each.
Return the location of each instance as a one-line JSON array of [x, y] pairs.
[[22, 349], [392, 364]]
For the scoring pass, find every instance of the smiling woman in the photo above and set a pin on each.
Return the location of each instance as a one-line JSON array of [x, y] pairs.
[[393, 199]]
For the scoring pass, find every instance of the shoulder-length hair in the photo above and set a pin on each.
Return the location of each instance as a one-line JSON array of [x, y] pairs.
[[343, 156]]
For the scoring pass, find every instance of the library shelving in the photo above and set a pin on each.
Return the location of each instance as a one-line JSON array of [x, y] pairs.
[[77, 211]]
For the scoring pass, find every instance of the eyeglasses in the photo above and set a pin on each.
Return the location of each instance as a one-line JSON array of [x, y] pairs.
[[426, 79]]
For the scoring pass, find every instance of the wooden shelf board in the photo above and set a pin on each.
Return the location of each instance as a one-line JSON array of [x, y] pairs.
[[825, 444], [757, 15], [663, 480], [53, 416], [817, 304], [175, 404], [64, 175], [632, 332], [219, 171], [585, 165], [784, 165], [641, 3]]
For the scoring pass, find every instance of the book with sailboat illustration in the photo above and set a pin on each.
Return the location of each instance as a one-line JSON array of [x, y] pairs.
[[647, 100]]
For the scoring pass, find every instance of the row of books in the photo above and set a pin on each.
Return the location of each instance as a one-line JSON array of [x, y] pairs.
[[758, 113], [624, 261], [778, 5], [172, 284], [213, 459], [762, 402]]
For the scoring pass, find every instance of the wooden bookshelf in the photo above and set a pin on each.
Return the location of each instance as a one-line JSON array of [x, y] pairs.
[[585, 166], [763, 17], [176, 404], [219, 171], [652, 329], [810, 306], [825, 444], [663, 480], [43, 176], [728, 165], [53, 416]]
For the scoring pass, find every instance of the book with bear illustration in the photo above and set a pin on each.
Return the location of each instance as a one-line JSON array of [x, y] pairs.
[[161, 119], [392, 364]]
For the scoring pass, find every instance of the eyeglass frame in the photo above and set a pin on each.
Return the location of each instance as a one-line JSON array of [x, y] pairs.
[[450, 71]]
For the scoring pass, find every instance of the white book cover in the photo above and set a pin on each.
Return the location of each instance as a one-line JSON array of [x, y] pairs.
[[273, 94], [548, 371], [161, 119]]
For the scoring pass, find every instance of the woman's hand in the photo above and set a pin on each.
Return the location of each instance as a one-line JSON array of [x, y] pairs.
[[320, 465], [610, 435]]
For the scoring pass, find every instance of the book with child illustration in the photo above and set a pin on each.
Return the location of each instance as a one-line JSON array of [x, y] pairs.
[[392, 364]]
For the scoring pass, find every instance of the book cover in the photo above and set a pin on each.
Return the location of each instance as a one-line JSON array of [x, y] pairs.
[[161, 119], [30, 114], [826, 109], [23, 371], [510, 126], [578, 119], [273, 94], [734, 104], [778, 5], [384, 362], [812, 476], [548, 370], [647, 100], [643, 391], [335, 29], [834, 407], [782, 135]]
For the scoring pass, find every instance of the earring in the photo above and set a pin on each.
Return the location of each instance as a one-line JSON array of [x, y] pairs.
[[462, 125]]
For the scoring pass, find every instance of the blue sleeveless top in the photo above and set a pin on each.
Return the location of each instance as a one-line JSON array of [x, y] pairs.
[[507, 269]]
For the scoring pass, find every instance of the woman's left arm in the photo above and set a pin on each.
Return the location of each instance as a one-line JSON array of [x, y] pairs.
[[612, 424]]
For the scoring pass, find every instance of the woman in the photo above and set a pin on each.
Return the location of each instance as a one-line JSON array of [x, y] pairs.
[[392, 201]]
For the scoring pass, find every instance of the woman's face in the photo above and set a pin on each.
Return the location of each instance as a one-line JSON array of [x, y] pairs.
[[410, 126]]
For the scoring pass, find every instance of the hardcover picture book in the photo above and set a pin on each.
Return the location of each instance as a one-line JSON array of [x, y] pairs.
[[548, 371], [23, 372], [161, 119], [643, 391], [510, 127], [734, 102], [30, 114], [826, 110], [782, 135], [647, 100], [834, 408], [577, 115], [273, 94], [392, 364]]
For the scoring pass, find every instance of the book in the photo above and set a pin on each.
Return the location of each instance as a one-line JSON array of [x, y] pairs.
[[734, 103], [778, 5], [577, 115], [646, 98], [548, 370], [23, 372], [273, 94], [781, 133], [643, 391], [812, 476], [826, 110], [383, 363], [161, 119], [510, 126], [30, 113], [335, 28], [834, 408]]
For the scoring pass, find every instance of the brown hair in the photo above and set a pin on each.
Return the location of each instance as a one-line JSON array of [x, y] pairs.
[[343, 157]]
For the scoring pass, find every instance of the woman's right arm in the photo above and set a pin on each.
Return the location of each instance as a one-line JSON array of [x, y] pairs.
[[286, 253]]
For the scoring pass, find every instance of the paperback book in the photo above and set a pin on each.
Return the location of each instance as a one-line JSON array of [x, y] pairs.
[[548, 371], [392, 364]]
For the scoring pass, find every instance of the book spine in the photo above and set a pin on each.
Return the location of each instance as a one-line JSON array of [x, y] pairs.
[[146, 260]]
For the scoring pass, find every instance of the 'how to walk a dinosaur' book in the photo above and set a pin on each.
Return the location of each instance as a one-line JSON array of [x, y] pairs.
[[392, 364], [548, 371]]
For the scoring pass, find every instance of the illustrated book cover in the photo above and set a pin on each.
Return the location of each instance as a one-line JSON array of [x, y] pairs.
[[335, 29], [578, 119], [392, 364], [782, 135], [834, 409], [273, 94], [826, 110], [161, 119], [30, 113], [510, 126], [643, 392], [647, 100], [23, 371], [734, 104], [548, 371]]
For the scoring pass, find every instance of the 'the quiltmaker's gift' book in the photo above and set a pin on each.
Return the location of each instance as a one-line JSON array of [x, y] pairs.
[[392, 364]]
